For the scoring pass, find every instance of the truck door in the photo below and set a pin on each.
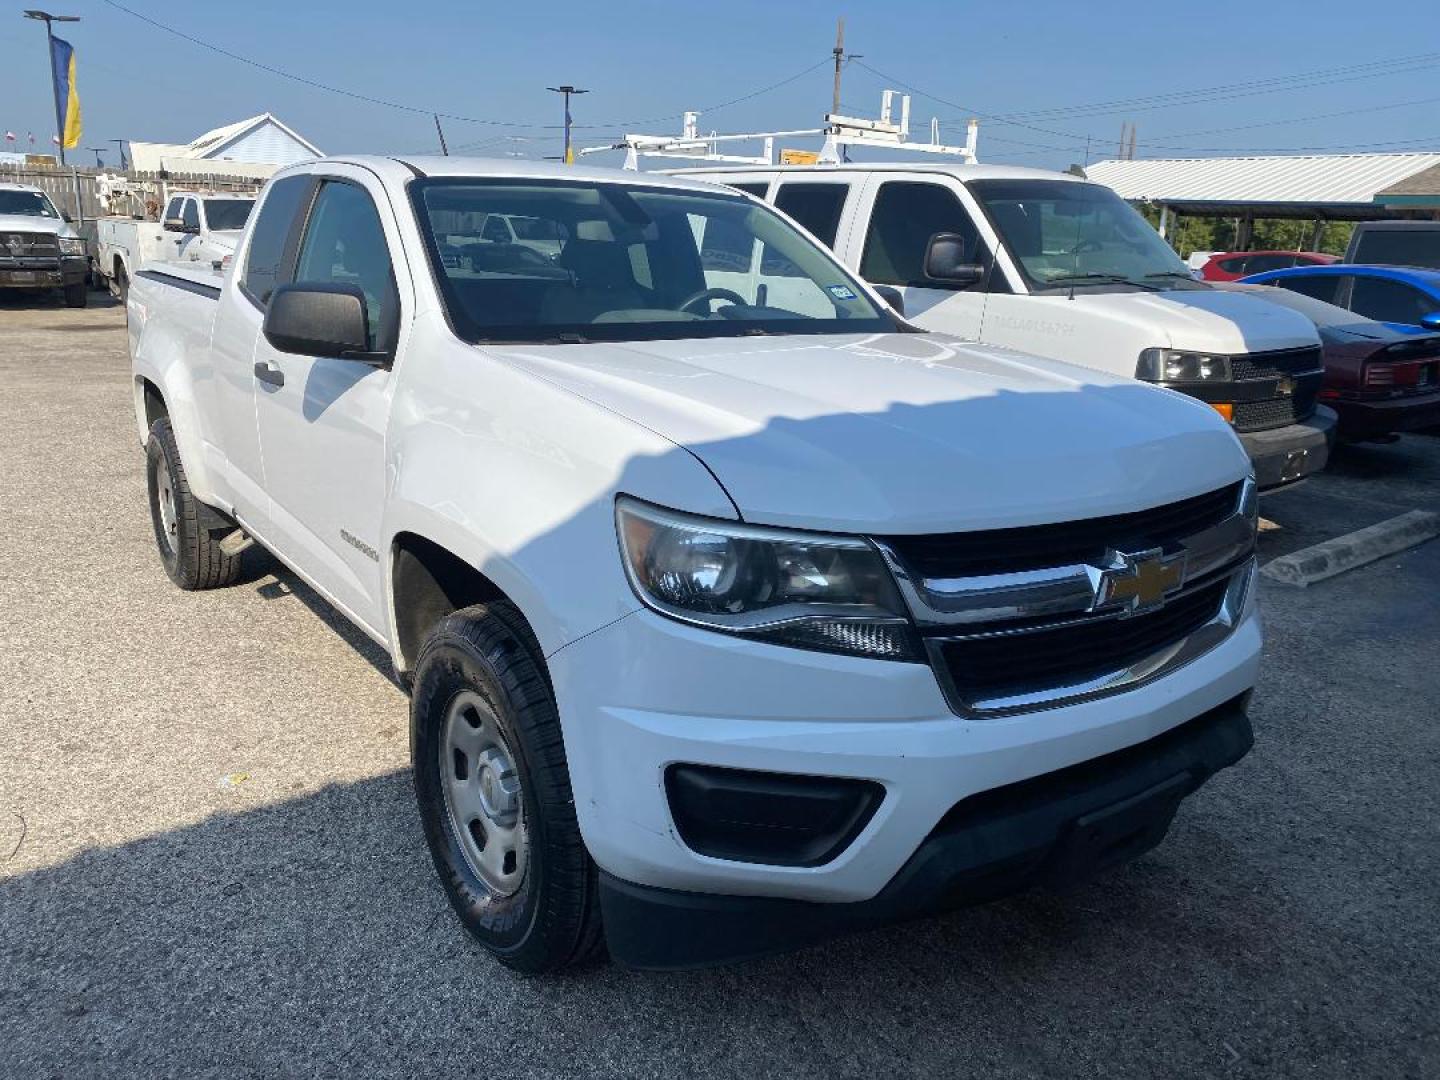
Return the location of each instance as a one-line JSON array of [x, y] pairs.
[[187, 241], [904, 212], [322, 420]]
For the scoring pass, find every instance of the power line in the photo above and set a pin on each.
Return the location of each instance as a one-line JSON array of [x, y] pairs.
[[404, 107]]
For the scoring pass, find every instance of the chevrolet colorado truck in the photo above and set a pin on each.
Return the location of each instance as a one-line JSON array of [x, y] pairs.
[[38, 247], [732, 616]]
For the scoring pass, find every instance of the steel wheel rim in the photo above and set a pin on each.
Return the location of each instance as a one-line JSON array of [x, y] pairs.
[[483, 797], [165, 500]]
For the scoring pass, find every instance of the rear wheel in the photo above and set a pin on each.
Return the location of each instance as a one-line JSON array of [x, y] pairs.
[[120, 283], [190, 552], [493, 787]]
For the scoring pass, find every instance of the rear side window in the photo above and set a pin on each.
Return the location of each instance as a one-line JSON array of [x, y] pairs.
[[1390, 301], [1398, 247], [1322, 287], [906, 215], [815, 206], [345, 245], [266, 254], [1258, 264]]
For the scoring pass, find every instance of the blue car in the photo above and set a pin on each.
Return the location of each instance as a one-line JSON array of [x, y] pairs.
[[1403, 295]]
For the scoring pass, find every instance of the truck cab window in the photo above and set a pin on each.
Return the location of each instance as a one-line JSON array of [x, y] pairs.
[[172, 209], [190, 215], [815, 206], [264, 259], [906, 215], [344, 244]]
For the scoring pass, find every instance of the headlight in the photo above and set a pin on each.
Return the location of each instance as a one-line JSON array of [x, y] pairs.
[[72, 245], [1179, 366], [808, 590]]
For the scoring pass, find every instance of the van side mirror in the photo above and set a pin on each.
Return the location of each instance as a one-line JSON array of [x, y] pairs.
[[321, 320], [1430, 320], [891, 296], [67, 217], [946, 261]]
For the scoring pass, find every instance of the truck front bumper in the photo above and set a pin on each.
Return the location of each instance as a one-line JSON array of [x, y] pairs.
[[67, 271], [1284, 455], [961, 802]]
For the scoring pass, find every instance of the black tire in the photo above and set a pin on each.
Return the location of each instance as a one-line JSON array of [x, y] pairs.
[[552, 919], [120, 283], [189, 551], [77, 294]]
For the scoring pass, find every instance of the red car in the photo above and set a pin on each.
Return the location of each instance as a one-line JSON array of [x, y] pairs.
[[1381, 378], [1233, 265]]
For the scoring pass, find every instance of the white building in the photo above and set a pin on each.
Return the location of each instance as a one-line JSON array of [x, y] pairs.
[[254, 147]]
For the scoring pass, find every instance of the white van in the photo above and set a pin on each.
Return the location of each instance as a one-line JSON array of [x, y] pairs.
[[1051, 264]]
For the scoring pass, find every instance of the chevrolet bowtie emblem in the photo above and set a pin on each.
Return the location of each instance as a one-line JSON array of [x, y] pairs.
[[1139, 581]]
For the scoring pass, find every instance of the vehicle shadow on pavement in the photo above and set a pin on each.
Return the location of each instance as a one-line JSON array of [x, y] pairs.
[[195, 949]]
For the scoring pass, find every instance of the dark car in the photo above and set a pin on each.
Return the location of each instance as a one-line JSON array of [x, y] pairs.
[[1390, 294], [1380, 377], [1395, 243], [1233, 265]]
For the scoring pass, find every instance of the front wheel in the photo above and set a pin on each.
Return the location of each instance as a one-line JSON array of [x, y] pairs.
[[77, 294], [493, 787], [190, 552]]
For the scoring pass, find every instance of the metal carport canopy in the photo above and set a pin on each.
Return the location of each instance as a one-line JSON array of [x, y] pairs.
[[1329, 186]]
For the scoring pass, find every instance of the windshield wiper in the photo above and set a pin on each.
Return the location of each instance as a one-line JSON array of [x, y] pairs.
[[1108, 279], [1181, 274]]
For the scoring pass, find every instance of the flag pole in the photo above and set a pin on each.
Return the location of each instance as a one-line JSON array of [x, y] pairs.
[[47, 19]]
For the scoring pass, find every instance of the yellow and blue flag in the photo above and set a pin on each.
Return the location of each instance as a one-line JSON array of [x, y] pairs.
[[67, 96]]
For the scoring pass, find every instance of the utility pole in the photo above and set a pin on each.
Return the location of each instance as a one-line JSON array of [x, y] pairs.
[[47, 19], [567, 91], [97, 150], [839, 61]]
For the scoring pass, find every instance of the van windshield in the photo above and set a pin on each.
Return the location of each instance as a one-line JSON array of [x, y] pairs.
[[1061, 234], [520, 260]]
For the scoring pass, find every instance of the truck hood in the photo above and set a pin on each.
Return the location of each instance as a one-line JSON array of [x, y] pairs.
[[902, 432], [1208, 320], [226, 239], [30, 223]]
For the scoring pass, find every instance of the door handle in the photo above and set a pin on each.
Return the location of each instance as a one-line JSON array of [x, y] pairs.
[[267, 374]]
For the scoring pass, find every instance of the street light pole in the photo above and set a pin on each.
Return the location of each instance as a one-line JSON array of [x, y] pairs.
[[567, 91], [47, 19]]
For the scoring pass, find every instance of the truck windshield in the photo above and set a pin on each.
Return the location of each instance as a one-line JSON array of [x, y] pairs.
[[26, 204], [566, 261], [227, 213], [1061, 234]]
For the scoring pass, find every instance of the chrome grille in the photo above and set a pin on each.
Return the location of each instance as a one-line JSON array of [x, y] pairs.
[[1017, 630], [25, 249], [1272, 365]]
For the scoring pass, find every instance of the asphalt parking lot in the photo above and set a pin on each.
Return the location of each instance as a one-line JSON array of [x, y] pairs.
[[210, 862]]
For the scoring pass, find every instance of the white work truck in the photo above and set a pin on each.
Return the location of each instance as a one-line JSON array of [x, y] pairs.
[[1054, 265], [39, 248], [728, 622], [195, 228]]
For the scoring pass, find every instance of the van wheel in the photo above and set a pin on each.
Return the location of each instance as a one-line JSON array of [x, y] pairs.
[[77, 295], [190, 552], [493, 788]]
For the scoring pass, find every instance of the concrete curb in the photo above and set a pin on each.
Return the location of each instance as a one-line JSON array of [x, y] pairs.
[[1325, 560]]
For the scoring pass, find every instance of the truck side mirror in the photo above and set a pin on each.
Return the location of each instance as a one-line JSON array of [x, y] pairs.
[[945, 261], [174, 224], [321, 320]]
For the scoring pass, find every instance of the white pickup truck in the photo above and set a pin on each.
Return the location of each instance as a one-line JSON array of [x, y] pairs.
[[39, 248], [1053, 265], [729, 622], [194, 228]]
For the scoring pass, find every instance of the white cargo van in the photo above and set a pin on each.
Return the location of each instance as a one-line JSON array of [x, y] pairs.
[[1053, 265]]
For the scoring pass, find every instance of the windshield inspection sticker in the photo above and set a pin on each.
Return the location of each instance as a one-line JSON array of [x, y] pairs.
[[841, 292]]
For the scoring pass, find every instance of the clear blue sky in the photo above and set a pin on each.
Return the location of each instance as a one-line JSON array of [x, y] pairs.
[[653, 60]]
